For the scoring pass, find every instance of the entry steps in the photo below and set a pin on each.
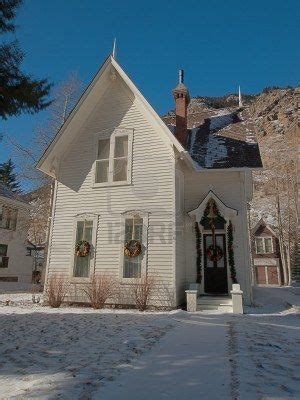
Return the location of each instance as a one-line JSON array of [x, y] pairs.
[[215, 303]]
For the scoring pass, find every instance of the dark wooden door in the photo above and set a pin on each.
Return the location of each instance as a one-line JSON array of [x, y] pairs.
[[215, 272]]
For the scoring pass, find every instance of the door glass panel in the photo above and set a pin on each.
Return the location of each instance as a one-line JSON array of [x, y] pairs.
[[209, 263], [219, 242]]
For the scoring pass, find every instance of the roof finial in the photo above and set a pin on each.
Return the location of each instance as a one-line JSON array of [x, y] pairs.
[[181, 76], [114, 48], [240, 98]]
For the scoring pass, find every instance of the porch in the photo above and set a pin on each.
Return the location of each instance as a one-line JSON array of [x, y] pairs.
[[232, 303]]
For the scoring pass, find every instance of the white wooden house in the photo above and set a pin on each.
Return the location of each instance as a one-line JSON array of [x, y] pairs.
[[15, 266], [122, 174]]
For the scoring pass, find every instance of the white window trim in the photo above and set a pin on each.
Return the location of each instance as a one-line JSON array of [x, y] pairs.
[[112, 135], [264, 244], [126, 215], [81, 217]]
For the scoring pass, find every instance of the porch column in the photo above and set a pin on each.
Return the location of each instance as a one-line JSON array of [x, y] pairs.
[[237, 299], [191, 300]]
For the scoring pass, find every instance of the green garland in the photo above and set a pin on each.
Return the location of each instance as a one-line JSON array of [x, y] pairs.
[[231, 252], [206, 220], [199, 253]]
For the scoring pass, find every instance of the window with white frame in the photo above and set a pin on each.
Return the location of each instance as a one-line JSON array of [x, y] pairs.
[[133, 231], [84, 232], [264, 245], [135, 225], [8, 217], [114, 158]]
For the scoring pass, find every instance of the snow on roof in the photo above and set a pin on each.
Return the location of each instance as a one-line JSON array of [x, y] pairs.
[[223, 139]]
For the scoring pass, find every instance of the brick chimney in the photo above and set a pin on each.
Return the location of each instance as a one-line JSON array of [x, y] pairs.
[[182, 99]]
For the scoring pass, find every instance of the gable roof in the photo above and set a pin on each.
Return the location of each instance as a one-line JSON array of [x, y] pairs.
[[260, 223], [223, 208], [50, 159], [221, 139]]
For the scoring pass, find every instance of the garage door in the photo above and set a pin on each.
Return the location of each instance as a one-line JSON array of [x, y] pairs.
[[261, 276], [272, 276], [267, 275]]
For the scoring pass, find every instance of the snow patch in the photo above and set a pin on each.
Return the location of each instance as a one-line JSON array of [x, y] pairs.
[[216, 150]]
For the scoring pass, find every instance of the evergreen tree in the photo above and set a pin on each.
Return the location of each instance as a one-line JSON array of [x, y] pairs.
[[19, 92], [8, 176]]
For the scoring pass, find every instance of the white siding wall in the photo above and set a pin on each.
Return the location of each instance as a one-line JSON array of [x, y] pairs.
[[19, 264], [230, 188], [151, 190]]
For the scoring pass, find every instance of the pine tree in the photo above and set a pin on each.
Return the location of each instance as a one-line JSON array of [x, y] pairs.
[[8, 176], [19, 92]]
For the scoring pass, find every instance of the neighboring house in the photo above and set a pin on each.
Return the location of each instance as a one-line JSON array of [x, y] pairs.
[[14, 211], [266, 255], [134, 197]]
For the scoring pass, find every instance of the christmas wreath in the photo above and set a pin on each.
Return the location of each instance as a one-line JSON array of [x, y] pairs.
[[82, 248], [214, 253], [132, 248]]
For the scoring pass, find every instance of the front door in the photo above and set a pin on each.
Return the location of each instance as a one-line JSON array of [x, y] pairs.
[[215, 271]]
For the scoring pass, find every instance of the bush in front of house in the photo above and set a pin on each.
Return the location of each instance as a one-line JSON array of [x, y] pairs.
[[56, 290], [100, 288]]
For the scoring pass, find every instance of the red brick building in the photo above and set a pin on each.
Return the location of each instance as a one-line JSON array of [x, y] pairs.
[[267, 268]]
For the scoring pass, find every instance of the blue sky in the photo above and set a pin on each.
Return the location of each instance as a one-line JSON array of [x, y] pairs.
[[218, 43]]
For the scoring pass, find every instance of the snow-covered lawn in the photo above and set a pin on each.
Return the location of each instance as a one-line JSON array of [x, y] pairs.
[[79, 353]]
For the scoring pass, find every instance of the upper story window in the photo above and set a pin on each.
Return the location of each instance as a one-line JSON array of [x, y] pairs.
[[264, 245], [113, 163], [8, 217]]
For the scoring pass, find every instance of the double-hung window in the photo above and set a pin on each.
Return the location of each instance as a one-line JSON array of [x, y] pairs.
[[3, 256], [8, 218], [264, 245], [84, 232], [135, 225], [133, 231], [113, 163]]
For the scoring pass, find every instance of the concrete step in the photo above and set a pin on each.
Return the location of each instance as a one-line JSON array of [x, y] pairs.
[[214, 300], [217, 303]]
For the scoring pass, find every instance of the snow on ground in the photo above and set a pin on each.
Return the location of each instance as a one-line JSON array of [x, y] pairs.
[[79, 353], [66, 353]]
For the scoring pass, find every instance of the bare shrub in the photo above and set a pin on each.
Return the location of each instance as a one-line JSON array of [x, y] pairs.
[[142, 290], [99, 289], [56, 290]]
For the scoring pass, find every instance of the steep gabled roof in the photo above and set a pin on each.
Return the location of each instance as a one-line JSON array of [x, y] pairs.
[[222, 140], [260, 223], [50, 159]]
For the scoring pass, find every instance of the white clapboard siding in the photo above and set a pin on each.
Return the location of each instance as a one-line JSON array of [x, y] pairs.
[[152, 190]]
